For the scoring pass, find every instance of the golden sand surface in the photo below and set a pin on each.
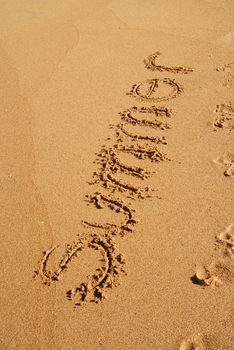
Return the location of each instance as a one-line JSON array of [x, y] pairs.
[[117, 174]]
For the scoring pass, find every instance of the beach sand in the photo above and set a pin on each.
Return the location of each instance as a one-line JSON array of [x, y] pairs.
[[117, 174]]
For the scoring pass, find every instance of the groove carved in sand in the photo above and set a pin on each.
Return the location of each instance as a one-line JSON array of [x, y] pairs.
[[106, 276], [47, 276], [143, 148], [129, 116], [143, 152], [151, 65], [147, 90], [100, 200], [110, 165], [122, 132]]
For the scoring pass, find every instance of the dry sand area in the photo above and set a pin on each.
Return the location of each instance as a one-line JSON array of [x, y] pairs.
[[117, 174]]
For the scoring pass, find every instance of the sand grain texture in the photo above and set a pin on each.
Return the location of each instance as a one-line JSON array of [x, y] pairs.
[[117, 175]]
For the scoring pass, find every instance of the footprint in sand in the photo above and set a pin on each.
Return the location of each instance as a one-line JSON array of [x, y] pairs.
[[206, 342], [216, 274], [225, 117], [226, 238], [194, 343], [221, 271], [226, 159], [228, 74], [204, 277]]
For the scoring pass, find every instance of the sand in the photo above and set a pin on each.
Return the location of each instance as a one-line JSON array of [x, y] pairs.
[[117, 174]]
